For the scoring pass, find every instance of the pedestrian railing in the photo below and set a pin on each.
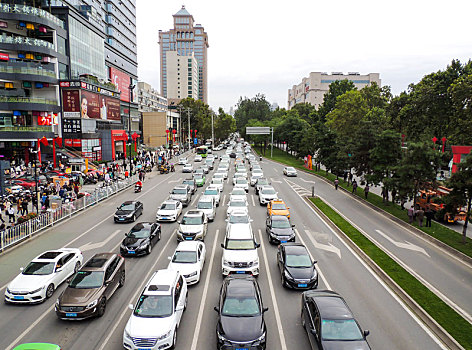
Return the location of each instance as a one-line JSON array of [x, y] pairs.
[[25, 230]]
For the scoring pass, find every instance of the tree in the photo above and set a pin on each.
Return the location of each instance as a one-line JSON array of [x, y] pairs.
[[200, 116], [306, 111], [336, 89], [224, 125], [461, 194], [256, 108], [461, 126]]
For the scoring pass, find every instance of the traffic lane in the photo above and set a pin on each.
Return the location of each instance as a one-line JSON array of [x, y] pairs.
[[376, 309], [449, 276]]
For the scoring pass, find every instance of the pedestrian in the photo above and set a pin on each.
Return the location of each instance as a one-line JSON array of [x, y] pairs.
[[420, 216], [24, 207], [336, 183], [366, 190], [429, 216], [126, 174], [345, 175], [11, 214], [46, 202], [354, 186], [349, 178], [411, 214], [2, 207]]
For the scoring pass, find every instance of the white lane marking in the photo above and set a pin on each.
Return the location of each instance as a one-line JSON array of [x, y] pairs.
[[90, 245], [301, 191], [406, 245], [224, 200], [196, 332], [275, 181], [276, 170], [272, 295], [325, 281], [253, 202], [382, 283], [307, 181], [135, 295], [327, 247], [175, 181], [193, 202]]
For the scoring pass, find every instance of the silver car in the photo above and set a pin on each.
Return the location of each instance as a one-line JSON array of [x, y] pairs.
[[208, 206], [181, 193]]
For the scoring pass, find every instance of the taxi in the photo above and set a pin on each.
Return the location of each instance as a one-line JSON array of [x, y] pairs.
[[278, 207]]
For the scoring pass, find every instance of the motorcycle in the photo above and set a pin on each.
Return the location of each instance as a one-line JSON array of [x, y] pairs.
[[137, 188], [172, 168]]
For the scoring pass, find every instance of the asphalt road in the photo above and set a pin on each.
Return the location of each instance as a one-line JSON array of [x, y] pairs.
[[391, 324]]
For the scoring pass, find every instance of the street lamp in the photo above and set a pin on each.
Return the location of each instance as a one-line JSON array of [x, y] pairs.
[[131, 87], [35, 151]]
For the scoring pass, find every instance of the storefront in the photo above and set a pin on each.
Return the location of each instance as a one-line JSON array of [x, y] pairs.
[[118, 143]]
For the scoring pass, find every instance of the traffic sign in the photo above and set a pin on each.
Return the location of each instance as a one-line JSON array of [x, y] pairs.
[[195, 141], [257, 130]]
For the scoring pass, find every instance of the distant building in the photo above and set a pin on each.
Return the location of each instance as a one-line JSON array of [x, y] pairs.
[[182, 75], [313, 88], [274, 106], [149, 99], [184, 39]]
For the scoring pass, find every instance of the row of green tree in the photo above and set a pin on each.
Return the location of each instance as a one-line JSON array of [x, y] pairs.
[[384, 139]]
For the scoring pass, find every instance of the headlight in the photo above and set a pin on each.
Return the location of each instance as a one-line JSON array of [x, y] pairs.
[[144, 245], [92, 304], [226, 263], [57, 302], [194, 273], [287, 276], [262, 337], [165, 335], [126, 334], [220, 337], [37, 290], [315, 275]]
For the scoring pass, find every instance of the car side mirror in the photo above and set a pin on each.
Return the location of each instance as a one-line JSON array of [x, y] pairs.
[[222, 245], [216, 308], [366, 333], [265, 309], [250, 220], [69, 280], [226, 220], [169, 258], [179, 308], [293, 225], [178, 222], [313, 331], [315, 262], [59, 269], [117, 207], [21, 269], [130, 306], [258, 245]]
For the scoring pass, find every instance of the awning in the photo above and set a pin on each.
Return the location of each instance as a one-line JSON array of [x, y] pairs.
[[119, 135]]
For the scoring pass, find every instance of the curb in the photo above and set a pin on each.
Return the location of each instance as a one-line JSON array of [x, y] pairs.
[[452, 251], [436, 328]]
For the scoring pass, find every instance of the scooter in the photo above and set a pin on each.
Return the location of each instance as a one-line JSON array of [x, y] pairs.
[[137, 188]]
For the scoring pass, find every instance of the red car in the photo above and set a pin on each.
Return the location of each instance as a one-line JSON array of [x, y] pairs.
[[23, 183]]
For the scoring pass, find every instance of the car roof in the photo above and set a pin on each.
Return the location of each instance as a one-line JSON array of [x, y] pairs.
[[128, 202], [277, 201], [52, 255], [141, 225], [239, 212], [161, 283], [279, 218], [182, 186], [194, 212], [98, 262], [267, 187], [240, 286], [206, 199], [330, 304], [295, 248], [242, 231], [170, 201]]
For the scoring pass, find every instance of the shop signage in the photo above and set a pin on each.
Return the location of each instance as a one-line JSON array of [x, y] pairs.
[[89, 87], [70, 101], [122, 82], [72, 125], [96, 148], [73, 142], [113, 108], [51, 119], [4, 56]]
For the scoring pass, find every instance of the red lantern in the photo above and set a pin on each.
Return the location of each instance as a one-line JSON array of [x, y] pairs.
[[435, 139]]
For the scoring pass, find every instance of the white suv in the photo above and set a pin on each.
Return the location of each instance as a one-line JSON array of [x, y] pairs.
[[240, 252], [157, 313], [266, 194]]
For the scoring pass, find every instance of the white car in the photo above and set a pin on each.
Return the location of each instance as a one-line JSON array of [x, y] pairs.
[[239, 219], [170, 210], [266, 194], [214, 192], [237, 204], [290, 171], [238, 176], [241, 183], [223, 172], [240, 253], [187, 168], [183, 161], [38, 280], [157, 313], [254, 178], [198, 158], [218, 183], [219, 176], [208, 206], [188, 259], [237, 193]]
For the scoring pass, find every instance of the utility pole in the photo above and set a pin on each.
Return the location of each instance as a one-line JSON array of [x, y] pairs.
[[272, 142], [131, 87], [189, 138]]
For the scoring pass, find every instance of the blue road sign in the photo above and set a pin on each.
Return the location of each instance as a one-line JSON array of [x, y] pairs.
[[195, 141]]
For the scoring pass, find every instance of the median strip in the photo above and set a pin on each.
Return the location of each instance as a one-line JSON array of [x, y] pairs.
[[443, 314]]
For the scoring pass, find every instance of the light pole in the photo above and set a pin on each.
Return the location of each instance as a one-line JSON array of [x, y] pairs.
[[32, 150], [131, 87], [212, 133], [189, 137]]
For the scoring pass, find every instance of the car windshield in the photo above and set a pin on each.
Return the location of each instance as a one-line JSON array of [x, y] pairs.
[[127, 206], [211, 192], [244, 306], [204, 205], [179, 191], [340, 330], [238, 192], [241, 181], [237, 204], [217, 181], [278, 206], [168, 206], [298, 260], [262, 182], [290, 169], [87, 280], [188, 183], [192, 220], [268, 191], [280, 224], [184, 257], [238, 219], [39, 268], [139, 233], [240, 244], [154, 306]]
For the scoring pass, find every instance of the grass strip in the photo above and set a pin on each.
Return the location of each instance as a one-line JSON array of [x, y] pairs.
[[438, 231], [447, 317]]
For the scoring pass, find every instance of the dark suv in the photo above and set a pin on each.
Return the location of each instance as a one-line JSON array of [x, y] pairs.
[[240, 315], [90, 288], [329, 322]]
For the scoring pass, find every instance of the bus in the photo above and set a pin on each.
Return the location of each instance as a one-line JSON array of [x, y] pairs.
[[202, 150]]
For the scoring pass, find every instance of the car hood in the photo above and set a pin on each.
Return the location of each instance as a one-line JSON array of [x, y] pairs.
[[165, 212], [28, 282], [345, 345], [133, 242], [282, 231], [184, 269], [240, 255], [148, 327], [190, 228], [123, 212], [82, 297], [237, 196], [231, 209], [283, 212], [300, 273], [242, 329]]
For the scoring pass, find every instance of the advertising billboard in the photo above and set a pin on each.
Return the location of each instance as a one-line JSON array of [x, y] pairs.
[[71, 103], [121, 81], [89, 105], [113, 108]]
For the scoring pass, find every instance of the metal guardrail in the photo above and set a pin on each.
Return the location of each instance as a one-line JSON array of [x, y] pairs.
[[25, 230]]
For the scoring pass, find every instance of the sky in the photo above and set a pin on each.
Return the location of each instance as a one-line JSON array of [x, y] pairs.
[[267, 46]]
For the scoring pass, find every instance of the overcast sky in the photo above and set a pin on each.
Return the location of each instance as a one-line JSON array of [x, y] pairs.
[[263, 46]]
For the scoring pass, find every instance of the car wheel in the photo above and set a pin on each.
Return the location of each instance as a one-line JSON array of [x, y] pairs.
[[174, 339], [282, 279], [49, 291], [76, 267], [159, 237], [122, 280], [102, 305], [149, 250], [133, 218], [303, 319], [185, 304]]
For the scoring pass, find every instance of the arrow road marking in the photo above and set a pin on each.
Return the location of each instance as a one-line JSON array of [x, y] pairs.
[[307, 181], [175, 181], [327, 247], [406, 245], [301, 191], [91, 246]]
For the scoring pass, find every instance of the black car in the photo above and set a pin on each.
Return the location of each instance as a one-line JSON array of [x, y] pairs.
[[128, 211], [232, 155], [329, 322], [297, 270], [240, 310], [192, 184], [141, 239], [279, 229]]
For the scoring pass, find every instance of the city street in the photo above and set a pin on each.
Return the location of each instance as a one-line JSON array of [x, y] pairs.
[[392, 325]]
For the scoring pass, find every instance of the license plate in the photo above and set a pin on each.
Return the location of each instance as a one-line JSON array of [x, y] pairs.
[[302, 285], [18, 297], [71, 314], [131, 252], [283, 241], [121, 219], [188, 238], [242, 349], [240, 271], [165, 218]]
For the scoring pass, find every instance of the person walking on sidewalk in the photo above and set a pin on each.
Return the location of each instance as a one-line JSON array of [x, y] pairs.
[[336, 183], [11, 215], [411, 214], [24, 207], [349, 178], [429, 216], [354, 186], [366, 190], [420, 216]]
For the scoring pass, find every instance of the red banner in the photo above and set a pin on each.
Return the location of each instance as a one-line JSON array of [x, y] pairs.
[[122, 82], [4, 56]]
